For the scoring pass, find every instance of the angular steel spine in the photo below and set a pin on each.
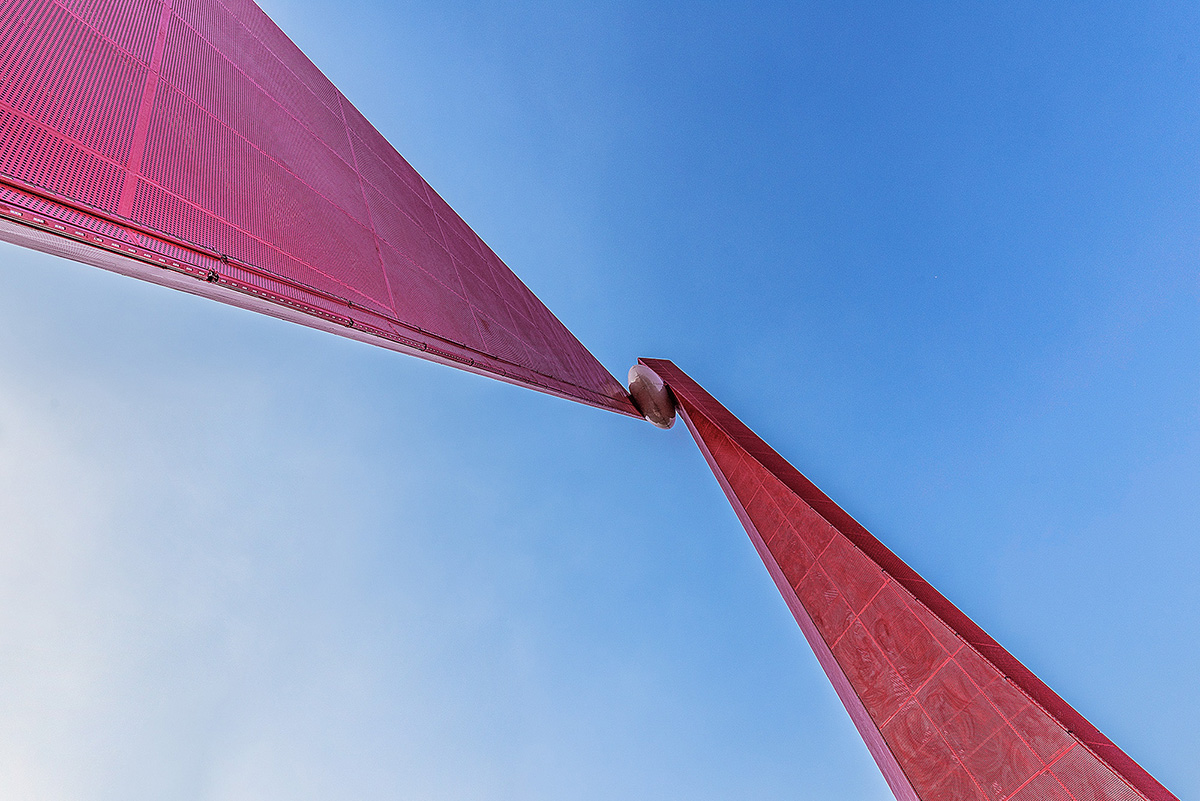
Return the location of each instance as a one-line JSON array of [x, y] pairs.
[[946, 712]]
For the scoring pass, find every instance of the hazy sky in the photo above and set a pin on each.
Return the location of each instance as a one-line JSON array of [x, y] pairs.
[[944, 258]]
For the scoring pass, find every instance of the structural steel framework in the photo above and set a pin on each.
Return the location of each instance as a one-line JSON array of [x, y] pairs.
[[190, 143]]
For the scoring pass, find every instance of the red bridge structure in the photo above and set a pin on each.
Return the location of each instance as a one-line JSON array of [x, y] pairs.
[[190, 143]]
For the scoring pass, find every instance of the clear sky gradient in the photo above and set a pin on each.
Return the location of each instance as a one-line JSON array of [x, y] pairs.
[[942, 256]]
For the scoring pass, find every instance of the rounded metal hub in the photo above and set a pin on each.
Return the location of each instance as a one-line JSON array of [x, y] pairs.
[[651, 396]]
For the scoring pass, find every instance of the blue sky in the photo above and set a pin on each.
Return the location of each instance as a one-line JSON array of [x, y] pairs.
[[943, 258]]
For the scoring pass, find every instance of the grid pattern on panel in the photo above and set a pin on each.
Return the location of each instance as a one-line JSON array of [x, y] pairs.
[[60, 72], [32, 153], [57, 131], [960, 727], [128, 24], [201, 122], [262, 207]]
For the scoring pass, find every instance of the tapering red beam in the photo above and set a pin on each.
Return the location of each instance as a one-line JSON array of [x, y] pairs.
[[190, 143], [947, 713]]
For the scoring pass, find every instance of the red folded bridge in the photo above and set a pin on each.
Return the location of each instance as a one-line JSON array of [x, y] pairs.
[[190, 143]]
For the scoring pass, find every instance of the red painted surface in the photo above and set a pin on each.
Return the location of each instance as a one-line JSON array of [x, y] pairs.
[[191, 143], [947, 713]]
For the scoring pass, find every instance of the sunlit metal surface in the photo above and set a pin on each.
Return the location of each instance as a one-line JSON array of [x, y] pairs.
[[191, 143], [946, 712]]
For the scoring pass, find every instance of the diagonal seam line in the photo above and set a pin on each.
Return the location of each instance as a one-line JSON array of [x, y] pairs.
[[601, 400], [1045, 771], [736, 503], [362, 191], [958, 623], [441, 235], [108, 39], [912, 694], [254, 35], [142, 129]]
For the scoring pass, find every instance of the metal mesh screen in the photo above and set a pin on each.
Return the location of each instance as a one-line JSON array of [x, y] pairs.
[[195, 130], [947, 713]]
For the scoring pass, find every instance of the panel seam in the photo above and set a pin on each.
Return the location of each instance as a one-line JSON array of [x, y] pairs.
[[137, 149]]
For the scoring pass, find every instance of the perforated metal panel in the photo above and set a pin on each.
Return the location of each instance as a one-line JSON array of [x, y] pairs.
[[192, 137], [947, 713]]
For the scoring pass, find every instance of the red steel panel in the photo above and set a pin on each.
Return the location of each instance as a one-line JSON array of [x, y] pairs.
[[947, 713], [191, 143]]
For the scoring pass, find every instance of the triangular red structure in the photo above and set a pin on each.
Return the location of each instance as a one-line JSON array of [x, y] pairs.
[[946, 712], [190, 143]]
